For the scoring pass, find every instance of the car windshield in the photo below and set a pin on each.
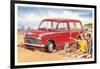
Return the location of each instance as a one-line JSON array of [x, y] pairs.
[[45, 25]]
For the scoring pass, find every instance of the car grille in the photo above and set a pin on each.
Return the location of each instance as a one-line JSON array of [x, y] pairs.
[[32, 40]]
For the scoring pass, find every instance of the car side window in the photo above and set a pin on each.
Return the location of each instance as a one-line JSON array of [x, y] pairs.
[[77, 25], [72, 25], [54, 26], [62, 26]]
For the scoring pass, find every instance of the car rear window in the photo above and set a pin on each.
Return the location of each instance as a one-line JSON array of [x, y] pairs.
[[77, 25], [74, 25]]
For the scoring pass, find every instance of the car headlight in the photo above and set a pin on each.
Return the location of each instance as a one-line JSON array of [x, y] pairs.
[[39, 37], [29, 33], [25, 33]]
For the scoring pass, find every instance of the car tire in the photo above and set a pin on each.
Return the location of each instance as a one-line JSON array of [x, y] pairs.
[[49, 47]]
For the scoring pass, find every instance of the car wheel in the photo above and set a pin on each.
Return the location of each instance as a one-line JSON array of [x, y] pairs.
[[50, 46]]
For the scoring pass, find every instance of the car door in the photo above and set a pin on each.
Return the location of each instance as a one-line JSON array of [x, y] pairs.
[[75, 28], [62, 33]]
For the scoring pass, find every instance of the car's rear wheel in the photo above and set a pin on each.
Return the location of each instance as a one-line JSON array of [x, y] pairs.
[[50, 46]]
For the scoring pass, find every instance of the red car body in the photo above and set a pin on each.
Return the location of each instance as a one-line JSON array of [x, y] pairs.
[[58, 31]]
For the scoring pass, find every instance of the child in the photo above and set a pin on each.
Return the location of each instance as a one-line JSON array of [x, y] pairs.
[[83, 44], [89, 44]]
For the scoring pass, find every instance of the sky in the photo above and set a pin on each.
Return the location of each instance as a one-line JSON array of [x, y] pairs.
[[31, 16]]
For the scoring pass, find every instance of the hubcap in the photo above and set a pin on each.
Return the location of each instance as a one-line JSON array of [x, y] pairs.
[[50, 47]]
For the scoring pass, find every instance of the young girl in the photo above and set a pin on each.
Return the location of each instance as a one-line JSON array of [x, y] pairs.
[[83, 44]]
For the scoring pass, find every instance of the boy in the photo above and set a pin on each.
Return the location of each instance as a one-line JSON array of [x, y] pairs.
[[89, 38]]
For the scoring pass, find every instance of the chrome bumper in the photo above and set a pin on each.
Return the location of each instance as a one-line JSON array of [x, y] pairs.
[[35, 45]]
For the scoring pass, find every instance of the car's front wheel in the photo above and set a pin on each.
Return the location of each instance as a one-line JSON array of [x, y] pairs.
[[50, 46]]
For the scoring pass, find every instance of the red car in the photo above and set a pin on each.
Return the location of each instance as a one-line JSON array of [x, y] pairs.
[[54, 33]]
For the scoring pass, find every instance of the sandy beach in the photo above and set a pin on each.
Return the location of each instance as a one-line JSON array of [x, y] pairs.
[[38, 54]]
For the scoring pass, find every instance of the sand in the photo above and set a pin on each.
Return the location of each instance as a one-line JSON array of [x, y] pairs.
[[38, 54]]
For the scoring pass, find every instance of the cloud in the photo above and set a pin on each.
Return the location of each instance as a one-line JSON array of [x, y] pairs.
[[35, 19]]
